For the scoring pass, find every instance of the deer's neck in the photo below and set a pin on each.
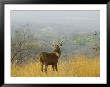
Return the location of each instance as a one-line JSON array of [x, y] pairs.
[[57, 51]]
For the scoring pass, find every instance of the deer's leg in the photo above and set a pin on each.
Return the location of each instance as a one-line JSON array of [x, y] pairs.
[[53, 67], [46, 66], [56, 67], [42, 67]]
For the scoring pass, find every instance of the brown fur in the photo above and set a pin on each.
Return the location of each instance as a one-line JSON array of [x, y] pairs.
[[50, 58]]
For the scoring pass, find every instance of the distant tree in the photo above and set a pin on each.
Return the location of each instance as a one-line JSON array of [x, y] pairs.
[[21, 45]]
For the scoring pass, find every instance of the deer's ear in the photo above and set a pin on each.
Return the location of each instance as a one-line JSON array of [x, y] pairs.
[[61, 44], [52, 45]]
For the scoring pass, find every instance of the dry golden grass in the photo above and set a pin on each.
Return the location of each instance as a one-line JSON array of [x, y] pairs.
[[78, 66]]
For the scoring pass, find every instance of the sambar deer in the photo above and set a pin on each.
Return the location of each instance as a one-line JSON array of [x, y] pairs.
[[51, 58]]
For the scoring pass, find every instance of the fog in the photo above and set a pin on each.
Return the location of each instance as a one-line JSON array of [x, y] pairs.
[[72, 26], [74, 20]]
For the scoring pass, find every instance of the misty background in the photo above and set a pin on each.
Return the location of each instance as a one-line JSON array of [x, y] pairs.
[[34, 31]]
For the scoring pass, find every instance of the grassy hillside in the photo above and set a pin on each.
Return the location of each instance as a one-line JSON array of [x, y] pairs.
[[77, 66]]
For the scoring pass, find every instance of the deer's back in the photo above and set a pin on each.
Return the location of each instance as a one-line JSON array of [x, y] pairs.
[[48, 58]]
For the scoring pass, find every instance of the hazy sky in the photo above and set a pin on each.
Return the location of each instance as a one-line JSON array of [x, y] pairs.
[[74, 19], [58, 24]]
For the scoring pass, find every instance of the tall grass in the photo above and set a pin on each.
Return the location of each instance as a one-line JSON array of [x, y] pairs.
[[77, 66]]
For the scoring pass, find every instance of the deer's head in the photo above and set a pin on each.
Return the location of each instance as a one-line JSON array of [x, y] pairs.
[[56, 47], [56, 44]]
